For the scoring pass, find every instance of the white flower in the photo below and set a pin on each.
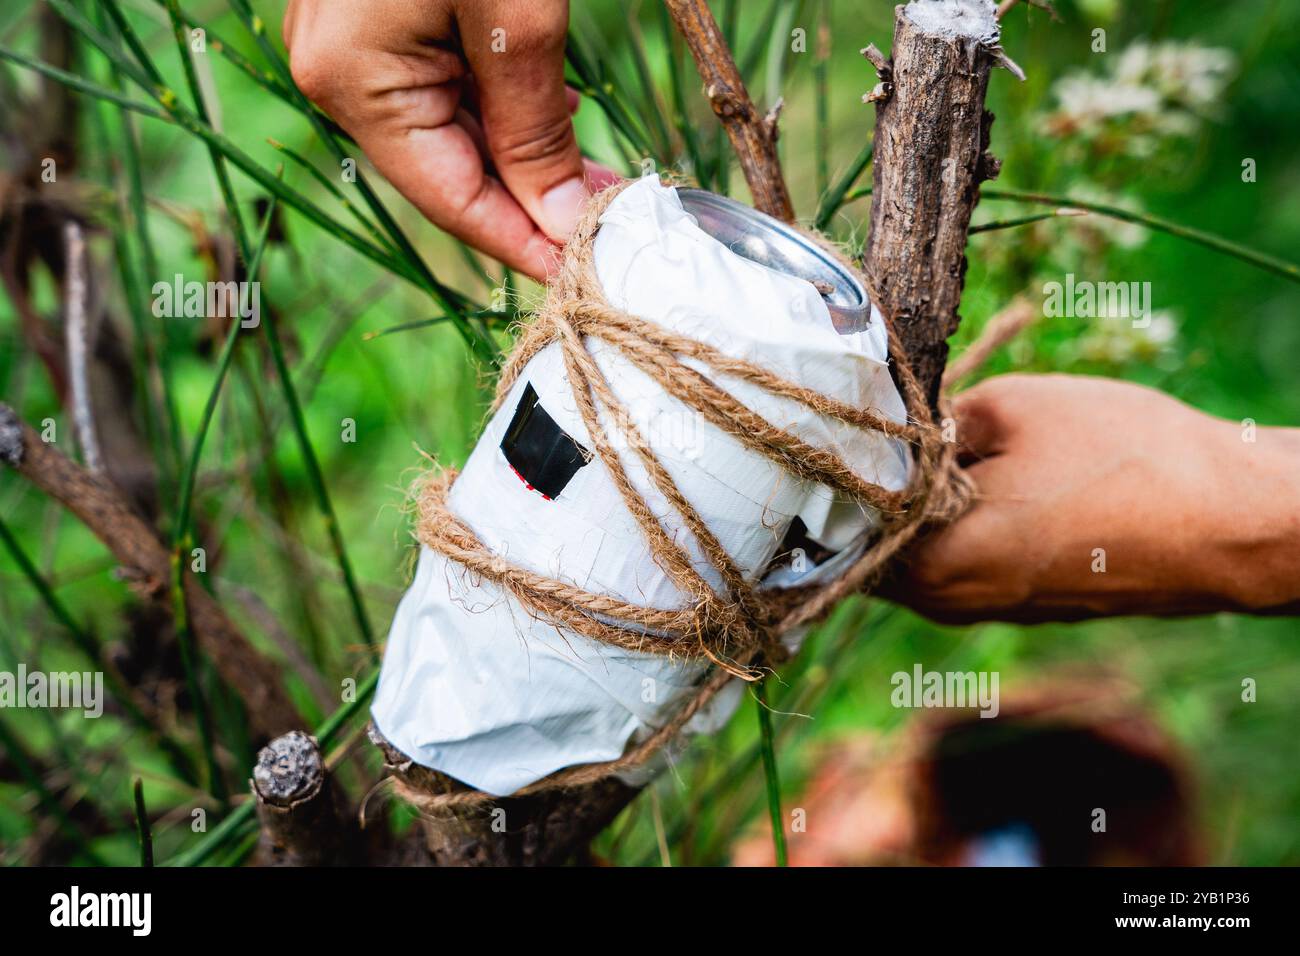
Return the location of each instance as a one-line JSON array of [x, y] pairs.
[[1116, 340], [1089, 99], [1162, 330], [1162, 89]]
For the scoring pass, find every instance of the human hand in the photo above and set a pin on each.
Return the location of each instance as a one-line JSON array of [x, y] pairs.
[[1098, 497], [461, 105]]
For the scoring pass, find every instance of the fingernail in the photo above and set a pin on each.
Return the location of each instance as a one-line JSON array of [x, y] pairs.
[[561, 206]]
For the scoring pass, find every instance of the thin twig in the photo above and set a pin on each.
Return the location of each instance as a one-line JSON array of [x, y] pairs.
[[752, 137], [1005, 6], [322, 693], [997, 332], [999, 224], [1263, 260], [76, 325]]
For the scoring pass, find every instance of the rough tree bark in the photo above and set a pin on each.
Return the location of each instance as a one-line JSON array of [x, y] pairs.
[[935, 132], [541, 830], [299, 808], [931, 141], [753, 137], [102, 509]]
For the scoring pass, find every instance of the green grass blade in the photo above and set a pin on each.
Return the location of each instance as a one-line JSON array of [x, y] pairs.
[[677, 91], [142, 830], [316, 478], [757, 49], [486, 315], [1261, 260], [999, 224], [821, 93], [87, 646], [27, 770], [190, 667], [234, 826], [265, 79], [74, 82], [450, 301], [181, 540], [649, 90], [299, 160], [837, 195], [146, 377], [142, 73], [185, 496], [84, 642], [770, 772], [127, 32], [201, 109], [730, 22], [591, 82], [187, 120], [778, 51]]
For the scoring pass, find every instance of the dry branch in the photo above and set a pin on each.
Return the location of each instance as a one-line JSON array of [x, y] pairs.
[[753, 135], [930, 156], [541, 830], [299, 808], [100, 506]]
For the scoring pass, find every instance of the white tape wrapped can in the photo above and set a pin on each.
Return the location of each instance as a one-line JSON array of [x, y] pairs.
[[476, 687]]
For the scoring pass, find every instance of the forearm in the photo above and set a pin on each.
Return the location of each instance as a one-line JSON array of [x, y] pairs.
[[1255, 543], [1099, 498], [1214, 527]]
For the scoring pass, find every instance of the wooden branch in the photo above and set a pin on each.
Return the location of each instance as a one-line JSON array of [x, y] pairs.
[[542, 830], [299, 808], [133, 542], [753, 135], [932, 133]]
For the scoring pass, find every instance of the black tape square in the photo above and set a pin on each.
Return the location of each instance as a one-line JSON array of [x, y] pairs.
[[539, 451], [797, 538]]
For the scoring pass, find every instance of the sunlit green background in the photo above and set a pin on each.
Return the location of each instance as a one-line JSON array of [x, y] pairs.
[[1227, 340]]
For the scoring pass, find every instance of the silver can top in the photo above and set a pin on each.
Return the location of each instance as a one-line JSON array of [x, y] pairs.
[[771, 243]]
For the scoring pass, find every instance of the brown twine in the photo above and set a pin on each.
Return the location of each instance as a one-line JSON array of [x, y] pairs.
[[738, 628]]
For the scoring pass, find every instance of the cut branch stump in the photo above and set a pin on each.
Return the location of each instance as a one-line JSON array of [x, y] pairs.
[[931, 142]]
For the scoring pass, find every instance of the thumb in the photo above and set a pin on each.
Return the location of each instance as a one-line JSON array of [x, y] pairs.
[[983, 426], [516, 52]]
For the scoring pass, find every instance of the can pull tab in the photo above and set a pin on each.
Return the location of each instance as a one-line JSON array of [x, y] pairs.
[[771, 243]]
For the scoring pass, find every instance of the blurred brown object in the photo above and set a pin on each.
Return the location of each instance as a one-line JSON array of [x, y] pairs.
[[1022, 788]]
